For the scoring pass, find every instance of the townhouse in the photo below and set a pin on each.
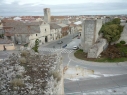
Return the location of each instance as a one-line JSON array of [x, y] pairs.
[[26, 32]]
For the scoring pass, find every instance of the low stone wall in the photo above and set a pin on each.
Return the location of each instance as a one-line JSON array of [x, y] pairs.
[[7, 46], [97, 48]]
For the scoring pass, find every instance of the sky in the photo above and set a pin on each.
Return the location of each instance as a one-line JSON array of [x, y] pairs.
[[62, 7]]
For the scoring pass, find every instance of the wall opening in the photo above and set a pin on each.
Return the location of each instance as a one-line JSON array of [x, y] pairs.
[[46, 39]]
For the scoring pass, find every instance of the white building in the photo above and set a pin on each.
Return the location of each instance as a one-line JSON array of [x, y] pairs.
[[55, 31], [26, 32]]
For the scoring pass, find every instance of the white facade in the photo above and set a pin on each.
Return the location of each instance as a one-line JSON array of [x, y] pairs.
[[43, 36], [55, 34]]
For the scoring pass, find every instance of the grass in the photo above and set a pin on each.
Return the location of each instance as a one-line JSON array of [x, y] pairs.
[[111, 60], [123, 49], [83, 56], [80, 54]]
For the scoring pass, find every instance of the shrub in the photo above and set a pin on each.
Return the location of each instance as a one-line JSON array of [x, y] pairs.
[[24, 53], [56, 75], [17, 82], [118, 45], [35, 48], [123, 42], [22, 60]]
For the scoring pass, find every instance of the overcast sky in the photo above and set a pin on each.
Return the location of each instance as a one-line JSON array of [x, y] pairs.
[[62, 7]]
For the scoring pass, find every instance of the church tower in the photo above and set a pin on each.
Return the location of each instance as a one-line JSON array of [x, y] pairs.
[[47, 16]]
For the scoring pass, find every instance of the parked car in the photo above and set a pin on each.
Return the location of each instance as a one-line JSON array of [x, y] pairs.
[[64, 46], [60, 42], [75, 47]]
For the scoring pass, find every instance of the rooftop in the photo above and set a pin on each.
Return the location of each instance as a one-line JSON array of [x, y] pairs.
[[62, 25], [54, 26], [22, 27]]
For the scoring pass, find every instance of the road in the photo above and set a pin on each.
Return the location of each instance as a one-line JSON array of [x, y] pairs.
[[72, 88], [106, 76], [65, 40]]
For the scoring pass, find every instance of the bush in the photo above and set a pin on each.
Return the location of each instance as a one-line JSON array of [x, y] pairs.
[[22, 60], [123, 42], [17, 82], [118, 45], [35, 48], [24, 53]]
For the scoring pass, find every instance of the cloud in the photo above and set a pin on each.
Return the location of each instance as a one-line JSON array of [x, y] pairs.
[[14, 9], [56, 2]]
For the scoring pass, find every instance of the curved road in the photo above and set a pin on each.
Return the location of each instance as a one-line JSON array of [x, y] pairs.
[[108, 75]]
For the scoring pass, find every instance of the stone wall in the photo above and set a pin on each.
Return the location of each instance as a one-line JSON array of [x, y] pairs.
[[124, 34], [7, 46], [97, 48], [89, 35]]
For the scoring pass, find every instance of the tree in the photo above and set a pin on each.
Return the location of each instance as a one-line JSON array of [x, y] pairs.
[[35, 48], [111, 32], [116, 21]]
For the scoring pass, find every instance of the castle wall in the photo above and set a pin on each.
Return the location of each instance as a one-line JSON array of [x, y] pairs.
[[124, 34], [89, 35]]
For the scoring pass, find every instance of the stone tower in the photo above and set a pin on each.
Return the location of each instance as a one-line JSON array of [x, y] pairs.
[[89, 35], [47, 16]]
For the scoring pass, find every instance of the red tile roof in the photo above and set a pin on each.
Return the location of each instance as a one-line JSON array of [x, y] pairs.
[[22, 27]]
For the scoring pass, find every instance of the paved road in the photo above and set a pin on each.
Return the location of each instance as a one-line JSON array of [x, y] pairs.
[[103, 71], [74, 87], [65, 40]]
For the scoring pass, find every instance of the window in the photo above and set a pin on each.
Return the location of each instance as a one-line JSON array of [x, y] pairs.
[[36, 34], [45, 30]]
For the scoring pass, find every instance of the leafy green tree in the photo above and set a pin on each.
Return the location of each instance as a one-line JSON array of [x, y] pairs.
[[111, 32], [35, 48], [116, 21]]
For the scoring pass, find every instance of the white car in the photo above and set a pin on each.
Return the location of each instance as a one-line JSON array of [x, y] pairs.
[[75, 47]]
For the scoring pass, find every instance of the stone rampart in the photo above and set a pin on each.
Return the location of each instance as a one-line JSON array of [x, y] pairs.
[[89, 35], [97, 48]]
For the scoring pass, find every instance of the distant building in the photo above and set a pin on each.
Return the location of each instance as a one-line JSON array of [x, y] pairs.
[[47, 15], [64, 29], [55, 31]]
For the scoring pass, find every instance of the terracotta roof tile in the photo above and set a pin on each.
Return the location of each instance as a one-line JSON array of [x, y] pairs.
[[54, 26], [20, 27]]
